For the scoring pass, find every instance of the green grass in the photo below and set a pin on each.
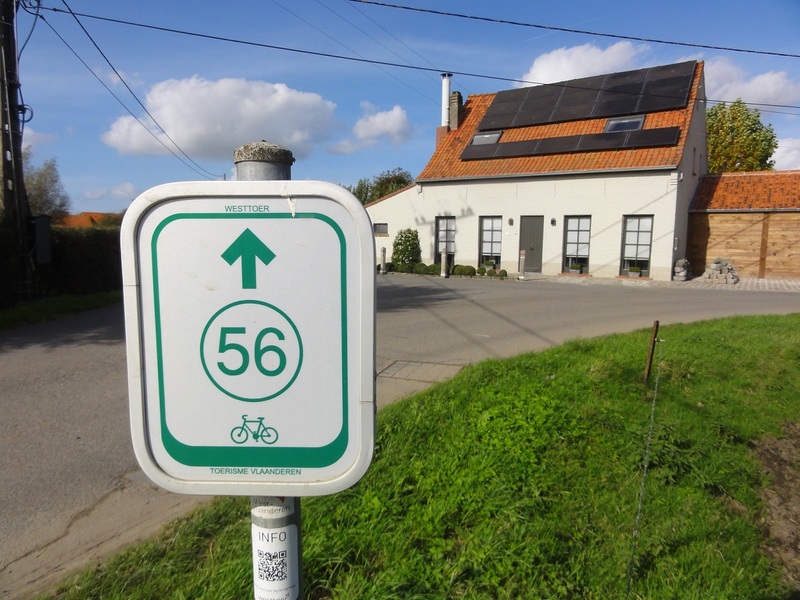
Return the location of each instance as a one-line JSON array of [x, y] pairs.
[[520, 478], [46, 309]]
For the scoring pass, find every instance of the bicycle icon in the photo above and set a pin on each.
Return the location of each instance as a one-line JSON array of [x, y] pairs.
[[255, 428]]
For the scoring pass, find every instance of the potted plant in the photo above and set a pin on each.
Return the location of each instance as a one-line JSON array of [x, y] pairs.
[[634, 271], [575, 267]]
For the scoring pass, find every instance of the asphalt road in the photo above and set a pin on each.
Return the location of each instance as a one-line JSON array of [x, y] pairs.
[[71, 488]]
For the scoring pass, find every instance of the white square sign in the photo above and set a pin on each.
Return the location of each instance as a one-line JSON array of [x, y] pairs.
[[250, 325]]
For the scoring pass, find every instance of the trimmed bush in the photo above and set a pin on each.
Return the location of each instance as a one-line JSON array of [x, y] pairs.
[[491, 272], [481, 271], [420, 268], [434, 269], [502, 274]]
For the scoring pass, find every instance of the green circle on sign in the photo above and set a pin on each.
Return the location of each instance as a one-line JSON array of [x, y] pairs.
[[251, 351]]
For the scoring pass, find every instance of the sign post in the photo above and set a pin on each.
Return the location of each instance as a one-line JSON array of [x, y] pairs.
[[250, 326]]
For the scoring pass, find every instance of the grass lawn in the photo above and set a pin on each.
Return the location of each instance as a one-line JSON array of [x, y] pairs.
[[45, 309], [521, 478]]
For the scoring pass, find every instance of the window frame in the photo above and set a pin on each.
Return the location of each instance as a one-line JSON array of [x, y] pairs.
[[496, 241], [620, 124], [577, 250], [637, 239], [484, 138], [449, 241]]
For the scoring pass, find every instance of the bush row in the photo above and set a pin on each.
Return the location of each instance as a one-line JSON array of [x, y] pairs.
[[85, 261], [434, 269]]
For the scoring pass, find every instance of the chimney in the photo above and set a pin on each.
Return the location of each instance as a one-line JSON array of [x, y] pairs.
[[456, 109], [442, 130], [446, 99]]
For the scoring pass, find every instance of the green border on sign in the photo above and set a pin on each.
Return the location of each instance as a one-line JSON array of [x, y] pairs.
[[267, 457]]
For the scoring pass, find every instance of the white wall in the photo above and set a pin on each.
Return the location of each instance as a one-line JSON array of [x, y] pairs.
[[606, 197]]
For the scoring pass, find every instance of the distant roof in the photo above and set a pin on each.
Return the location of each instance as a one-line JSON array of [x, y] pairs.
[[85, 219], [565, 127], [757, 190]]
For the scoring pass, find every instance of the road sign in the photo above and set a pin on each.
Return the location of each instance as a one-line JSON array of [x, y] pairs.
[[250, 325]]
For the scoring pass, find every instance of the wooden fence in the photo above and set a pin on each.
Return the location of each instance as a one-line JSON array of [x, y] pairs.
[[759, 244]]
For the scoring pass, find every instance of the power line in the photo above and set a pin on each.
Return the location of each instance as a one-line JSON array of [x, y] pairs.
[[326, 34], [135, 97], [353, 58], [578, 31], [117, 98]]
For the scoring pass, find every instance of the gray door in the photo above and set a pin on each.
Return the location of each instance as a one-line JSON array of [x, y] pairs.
[[531, 239]]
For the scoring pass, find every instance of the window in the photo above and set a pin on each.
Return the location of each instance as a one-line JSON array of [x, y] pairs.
[[577, 233], [380, 229], [637, 239], [486, 137], [625, 123], [491, 240], [445, 239]]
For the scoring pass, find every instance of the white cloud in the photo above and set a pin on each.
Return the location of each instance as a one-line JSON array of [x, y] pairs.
[[787, 156], [123, 191], [209, 119], [564, 64], [374, 126], [34, 139], [727, 81]]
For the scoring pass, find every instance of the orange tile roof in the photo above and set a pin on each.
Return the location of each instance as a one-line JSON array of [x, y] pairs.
[[85, 219], [758, 190], [446, 161]]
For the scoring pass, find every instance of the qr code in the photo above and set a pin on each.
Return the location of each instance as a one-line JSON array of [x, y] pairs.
[[272, 566]]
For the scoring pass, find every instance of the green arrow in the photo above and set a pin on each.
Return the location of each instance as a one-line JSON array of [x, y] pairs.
[[248, 247]]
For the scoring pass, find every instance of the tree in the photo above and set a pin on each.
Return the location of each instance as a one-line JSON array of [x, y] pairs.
[[46, 194], [390, 181], [381, 185], [738, 140]]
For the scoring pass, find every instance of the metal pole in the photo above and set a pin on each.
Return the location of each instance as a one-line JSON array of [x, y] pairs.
[[275, 522]]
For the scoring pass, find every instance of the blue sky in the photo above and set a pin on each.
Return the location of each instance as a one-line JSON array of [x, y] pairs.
[[348, 119]]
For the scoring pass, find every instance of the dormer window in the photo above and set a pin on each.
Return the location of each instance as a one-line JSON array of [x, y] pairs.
[[625, 123], [486, 137]]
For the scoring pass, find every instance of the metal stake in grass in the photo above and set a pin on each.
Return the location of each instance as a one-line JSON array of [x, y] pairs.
[[646, 461]]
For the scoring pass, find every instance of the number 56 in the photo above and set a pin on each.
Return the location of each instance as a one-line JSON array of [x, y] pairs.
[[261, 352]]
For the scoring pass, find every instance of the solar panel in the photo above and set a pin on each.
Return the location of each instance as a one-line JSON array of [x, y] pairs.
[[602, 141], [645, 138], [616, 94]]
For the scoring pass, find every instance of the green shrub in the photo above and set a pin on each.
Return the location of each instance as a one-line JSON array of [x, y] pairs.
[[406, 249], [481, 271], [420, 268], [491, 272], [434, 269], [85, 261], [502, 274], [463, 271]]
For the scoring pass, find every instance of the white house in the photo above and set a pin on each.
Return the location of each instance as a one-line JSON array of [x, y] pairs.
[[598, 171]]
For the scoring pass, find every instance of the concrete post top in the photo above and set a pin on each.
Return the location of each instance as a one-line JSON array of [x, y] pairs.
[[263, 151]]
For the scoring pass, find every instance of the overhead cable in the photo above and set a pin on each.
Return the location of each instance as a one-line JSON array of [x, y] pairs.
[[578, 31], [135, 97]]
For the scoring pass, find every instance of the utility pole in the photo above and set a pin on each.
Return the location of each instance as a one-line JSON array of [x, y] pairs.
[[15, 199]]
